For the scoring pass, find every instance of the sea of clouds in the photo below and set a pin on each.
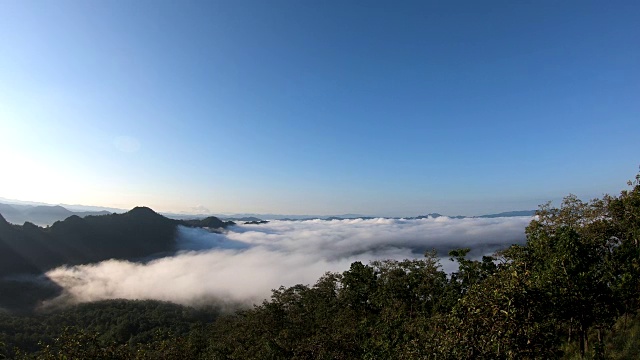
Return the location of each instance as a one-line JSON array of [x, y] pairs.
[[245, 262]]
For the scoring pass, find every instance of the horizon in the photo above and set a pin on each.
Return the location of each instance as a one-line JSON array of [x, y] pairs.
[[378, 109], [268, 216]]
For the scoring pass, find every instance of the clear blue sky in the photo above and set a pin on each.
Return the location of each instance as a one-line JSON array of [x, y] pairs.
[[322, 107]]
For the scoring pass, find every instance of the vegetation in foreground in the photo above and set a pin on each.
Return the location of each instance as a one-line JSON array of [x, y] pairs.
[[572, 291]]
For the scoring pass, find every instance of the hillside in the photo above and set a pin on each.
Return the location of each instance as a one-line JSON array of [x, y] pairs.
[[29, 249], [136, 234]]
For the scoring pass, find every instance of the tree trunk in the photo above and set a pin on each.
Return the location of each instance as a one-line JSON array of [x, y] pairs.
[[582, 341], [586, 340]]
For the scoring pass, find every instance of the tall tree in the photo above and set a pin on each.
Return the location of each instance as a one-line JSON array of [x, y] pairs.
[[570, 254]]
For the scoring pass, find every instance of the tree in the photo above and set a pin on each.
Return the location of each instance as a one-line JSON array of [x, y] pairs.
[[570, 255], [502, 317], [624, 215], [408, 293]]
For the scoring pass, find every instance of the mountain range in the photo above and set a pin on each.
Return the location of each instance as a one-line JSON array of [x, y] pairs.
[[84, 237], [136, 234], [91, 236], [139, 234], [19, 212], [42, 215]]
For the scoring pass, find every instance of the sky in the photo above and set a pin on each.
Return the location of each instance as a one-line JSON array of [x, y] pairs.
[[318, 107]]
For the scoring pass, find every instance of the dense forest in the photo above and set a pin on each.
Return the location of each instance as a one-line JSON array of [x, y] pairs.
[[572, 291]]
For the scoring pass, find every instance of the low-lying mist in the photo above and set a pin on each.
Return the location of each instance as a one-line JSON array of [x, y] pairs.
[[245, 262]]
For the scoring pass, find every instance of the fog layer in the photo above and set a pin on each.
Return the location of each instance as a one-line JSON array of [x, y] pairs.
[[247, 261]]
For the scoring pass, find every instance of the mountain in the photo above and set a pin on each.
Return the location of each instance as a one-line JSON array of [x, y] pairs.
[[436, 215], [12, 260], [502, 214], [19, 212], [256, 222], [209, 222], [138, 233], [510, 214], [260, 217], [347, 218], [29, 249], [245, 218], [42, 215]]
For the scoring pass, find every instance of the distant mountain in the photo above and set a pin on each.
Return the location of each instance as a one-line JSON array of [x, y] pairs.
[[87, 208], [502, 214], [41, 215], [256, 222], [347, 218], [436, 215], [74, 207], [259, 217], [254, 219], [19, 212], [510, 214], [246, 218], [136, 234], [209, 222]]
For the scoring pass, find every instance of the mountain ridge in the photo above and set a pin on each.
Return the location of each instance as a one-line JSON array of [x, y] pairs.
[[138, 233], [46, 215], [42, 215]]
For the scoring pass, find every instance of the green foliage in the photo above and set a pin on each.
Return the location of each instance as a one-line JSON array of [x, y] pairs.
[[622, 341], [584, 256], [115, 322], [624, 215], [502, 317], [469, 272]]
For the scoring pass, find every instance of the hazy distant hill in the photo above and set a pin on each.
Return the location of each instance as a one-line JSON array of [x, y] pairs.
[[246, 218], [260, 217], [41, 215], [431, 215], [436, 215], [209, 222], [510, 214], [502, 214], [17, 212]]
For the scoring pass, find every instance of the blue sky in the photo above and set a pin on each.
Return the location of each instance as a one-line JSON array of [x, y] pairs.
[[318, 107]]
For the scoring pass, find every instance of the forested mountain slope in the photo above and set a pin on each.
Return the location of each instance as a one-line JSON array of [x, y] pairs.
[[135, 234]]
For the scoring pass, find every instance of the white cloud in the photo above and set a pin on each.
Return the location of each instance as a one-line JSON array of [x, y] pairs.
[[247, 261]]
